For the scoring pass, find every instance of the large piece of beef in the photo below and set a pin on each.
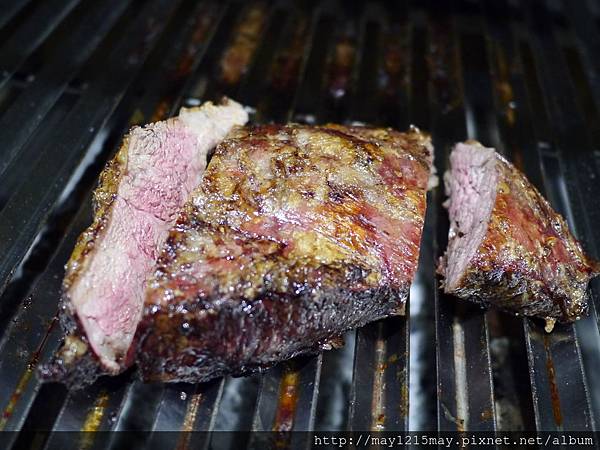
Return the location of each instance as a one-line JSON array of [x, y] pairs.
[[507, 246], [140, 193], [295, 235]]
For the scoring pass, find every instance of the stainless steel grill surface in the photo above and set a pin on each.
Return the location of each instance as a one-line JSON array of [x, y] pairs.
[[523, 77]]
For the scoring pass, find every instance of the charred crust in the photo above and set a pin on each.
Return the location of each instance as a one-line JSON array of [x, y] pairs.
[[528, 263], [75, 368], [338, 194], [78, 374], [238, 336], [521, 292]]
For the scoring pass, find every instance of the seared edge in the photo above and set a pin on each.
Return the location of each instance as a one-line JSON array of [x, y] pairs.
[[529, 262], [195, 342]]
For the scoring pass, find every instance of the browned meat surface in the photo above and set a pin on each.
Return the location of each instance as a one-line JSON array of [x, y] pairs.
[[295, 235], [140, 192], [507, 246]]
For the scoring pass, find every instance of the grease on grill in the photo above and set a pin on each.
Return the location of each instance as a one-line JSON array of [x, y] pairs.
[[14, 398], [92, 421], [288, 398], [246, 37], [339, 70], [203, 22], [443, 66], [191, 412], [556, 410], [25, 378], [188, 422], [378, 401], [503, 87], [395, 72], [286, 63]]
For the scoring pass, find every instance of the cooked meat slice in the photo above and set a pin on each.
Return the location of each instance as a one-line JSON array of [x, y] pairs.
[[507, 246], [295, 235], [140, 192]]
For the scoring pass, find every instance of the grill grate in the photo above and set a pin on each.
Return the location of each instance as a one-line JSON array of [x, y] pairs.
[[523, 78]]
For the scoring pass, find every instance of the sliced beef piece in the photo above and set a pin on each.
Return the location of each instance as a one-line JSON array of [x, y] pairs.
[[295, 235], [140, 193], [507, 246]]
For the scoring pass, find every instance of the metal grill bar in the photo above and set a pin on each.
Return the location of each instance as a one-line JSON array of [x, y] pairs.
[[10, 9], [211, 84], [366, 97], [515, 122], [571, 134], [288, 67], [19, 385], [286, 396], [398, 70], [252, 86], [554, 387], [581, 21], [306, 103], [14, 295], [570, 140], [186, 408], [576, 100], [422, 400], [30, 108], [28, 208], [43, 20], [70, 419], [379, 396]]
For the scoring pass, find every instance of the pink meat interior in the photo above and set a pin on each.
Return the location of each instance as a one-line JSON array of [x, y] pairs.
[[165, 162], [471, 186], [162, 169]]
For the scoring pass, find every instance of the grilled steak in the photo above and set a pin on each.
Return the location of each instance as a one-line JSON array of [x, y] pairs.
[[140, 192], [295, 235], [507, 246]]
